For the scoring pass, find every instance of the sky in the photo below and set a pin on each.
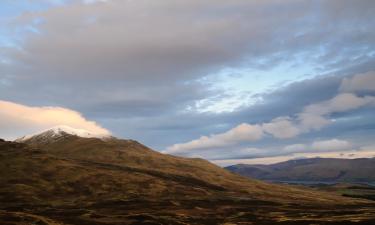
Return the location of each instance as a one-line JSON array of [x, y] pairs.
[[237, 81]]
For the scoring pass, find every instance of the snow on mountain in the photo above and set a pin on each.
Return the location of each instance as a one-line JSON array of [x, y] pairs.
[[60, 131]]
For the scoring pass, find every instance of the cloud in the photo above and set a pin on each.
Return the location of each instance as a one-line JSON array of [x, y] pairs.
[[331, 145], [281, 127], [137, 66], [313, 117], [122, 47], [295, 148], [276, 159], [359, 82], [241, 133], [310, 121], [368, 147], [340, 103], [17, 120], [318, 146], [93, 1], [315, 147]]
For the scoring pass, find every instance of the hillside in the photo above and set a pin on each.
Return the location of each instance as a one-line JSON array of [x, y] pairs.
[[74, 180], [316, 169]]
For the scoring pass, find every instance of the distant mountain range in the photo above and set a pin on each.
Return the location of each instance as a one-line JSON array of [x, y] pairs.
[[67, 176], [314, 169]]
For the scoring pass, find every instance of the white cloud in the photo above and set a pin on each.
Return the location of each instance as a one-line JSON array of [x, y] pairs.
[[359, 82], [17, 120], [281, 127], [340, 103], [320, 145], [332, 148], [309, 121], [313, 117], [276, 159], [295, 148], [242, 133], [93, 1], [331, 145], [368, 147]]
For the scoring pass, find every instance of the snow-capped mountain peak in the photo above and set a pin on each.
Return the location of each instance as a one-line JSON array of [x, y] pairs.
[[61, 131]]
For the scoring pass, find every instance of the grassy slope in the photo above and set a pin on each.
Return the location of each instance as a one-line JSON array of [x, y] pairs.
[[78, 181], [350, 190]]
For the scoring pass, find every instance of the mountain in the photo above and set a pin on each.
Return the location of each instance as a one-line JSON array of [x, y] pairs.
[[60, 131], [314, 169], [56, 177]]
